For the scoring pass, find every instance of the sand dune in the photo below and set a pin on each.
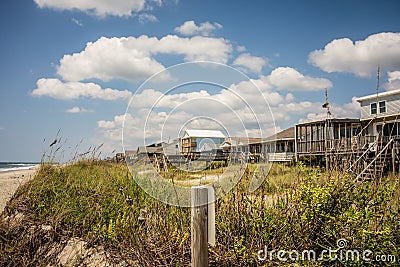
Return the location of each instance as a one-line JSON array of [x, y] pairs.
[[9, 182]]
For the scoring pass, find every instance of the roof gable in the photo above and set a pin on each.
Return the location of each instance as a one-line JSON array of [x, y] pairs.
[[285, 134], [203, 133], [382, 94]]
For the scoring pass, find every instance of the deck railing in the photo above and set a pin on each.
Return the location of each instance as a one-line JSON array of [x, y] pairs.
[[352, 144], [283, 156]]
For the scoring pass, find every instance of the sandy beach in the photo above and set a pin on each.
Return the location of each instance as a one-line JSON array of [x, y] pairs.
[[9, 182]]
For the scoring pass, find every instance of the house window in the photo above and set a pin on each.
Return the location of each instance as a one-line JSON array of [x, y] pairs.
[[382, 106], [379, 129], [373, 108]]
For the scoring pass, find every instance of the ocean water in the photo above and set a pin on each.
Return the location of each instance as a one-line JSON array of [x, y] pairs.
[[15, 166]]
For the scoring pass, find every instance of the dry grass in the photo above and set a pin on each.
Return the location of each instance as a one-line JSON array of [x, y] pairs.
[[297, 207]]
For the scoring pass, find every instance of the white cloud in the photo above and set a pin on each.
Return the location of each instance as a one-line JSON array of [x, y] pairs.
[[240, 48], [145, 17], [149, 96], [110, 58], [289, 97], [78, 110], [360, 57], [99, 8], [77, 22], [290, 79], [244, 90], [231, 107], [393, 81], [72, 90], [250, 63], [132, 58], [195, 48], [117, 122], [348, 110], [190, 28], [160, 125]]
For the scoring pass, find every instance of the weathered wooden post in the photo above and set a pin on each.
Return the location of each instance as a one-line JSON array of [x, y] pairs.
[[394, 158], [203, 224]]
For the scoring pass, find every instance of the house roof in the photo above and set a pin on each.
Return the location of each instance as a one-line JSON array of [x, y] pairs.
[[382, 94], [130, 152], [203, 133], [171, 148], [148, 149], [333, 120], [158, 144], [285, 134], [242, 141]]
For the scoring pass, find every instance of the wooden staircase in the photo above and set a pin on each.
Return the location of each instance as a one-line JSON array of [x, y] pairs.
[[376, 162], [160, 163], [376, 169]]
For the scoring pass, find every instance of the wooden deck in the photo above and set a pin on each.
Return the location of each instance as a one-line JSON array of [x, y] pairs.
[[354, 144]]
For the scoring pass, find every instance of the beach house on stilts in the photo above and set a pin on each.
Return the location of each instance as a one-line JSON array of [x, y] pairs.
[[368, 146]]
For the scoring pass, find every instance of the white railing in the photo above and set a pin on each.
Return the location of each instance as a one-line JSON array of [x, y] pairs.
[[376, 157], [282, 156]]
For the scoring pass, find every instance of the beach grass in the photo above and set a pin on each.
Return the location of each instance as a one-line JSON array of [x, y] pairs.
[[296, 208]]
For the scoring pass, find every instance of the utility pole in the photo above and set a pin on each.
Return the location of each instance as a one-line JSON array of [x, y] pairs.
[[327, 126]]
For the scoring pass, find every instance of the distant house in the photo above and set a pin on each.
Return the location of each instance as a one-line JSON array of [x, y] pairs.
[[143, 152], [196, 141], [242, 144], [243, 149], [280, 147], [120, 157], [130, 156], [172, 148], [149, 151], [255, 147]]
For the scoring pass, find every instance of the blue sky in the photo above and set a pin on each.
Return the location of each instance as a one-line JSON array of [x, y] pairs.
[[74, 66]]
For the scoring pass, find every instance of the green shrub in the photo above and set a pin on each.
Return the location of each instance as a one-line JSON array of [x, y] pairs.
[[297, 207]]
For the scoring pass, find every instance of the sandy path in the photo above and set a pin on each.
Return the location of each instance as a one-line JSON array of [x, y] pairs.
[[9, 182], [208, 179]]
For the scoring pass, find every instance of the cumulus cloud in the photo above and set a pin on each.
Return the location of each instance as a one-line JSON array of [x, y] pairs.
[[150, 96], [145, 17], [72, 90], [250, 63], [167, 113], [190, 28], [348, 110], [99, 8], [393, 81], [290, 79], [78, 110], [146, 126], [132, 59], [116, 122], [360, 57], [240, 48], [77, 22]]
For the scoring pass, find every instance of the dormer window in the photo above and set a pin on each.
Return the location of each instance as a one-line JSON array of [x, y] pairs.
[[382, 106], [373, 108]]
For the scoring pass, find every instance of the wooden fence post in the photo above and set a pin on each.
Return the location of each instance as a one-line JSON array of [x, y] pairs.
[[199, 246]]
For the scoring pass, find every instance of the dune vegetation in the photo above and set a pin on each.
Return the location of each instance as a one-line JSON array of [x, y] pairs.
[[296, 208]]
